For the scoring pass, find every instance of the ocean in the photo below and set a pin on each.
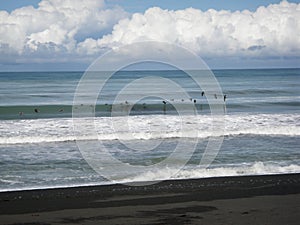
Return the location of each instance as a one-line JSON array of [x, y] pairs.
[[37, 136]]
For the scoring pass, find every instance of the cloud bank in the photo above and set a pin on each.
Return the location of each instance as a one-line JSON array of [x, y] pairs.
[[87, 28], [56, 26], [269, 31]]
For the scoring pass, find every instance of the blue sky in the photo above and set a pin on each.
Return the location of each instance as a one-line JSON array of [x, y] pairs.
[[233, 5], [47, 37], [133, 6]]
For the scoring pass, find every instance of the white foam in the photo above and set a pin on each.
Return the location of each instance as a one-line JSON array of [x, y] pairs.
[[257, 168], [146, 127]]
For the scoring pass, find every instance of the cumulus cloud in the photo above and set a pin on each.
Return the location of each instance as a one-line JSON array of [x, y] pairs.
[[63, 28], [56, 25], [269, 31]]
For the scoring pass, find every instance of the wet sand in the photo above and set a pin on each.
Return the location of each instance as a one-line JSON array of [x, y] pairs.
[[269, 199]]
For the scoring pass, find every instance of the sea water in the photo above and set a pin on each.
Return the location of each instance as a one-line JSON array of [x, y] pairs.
[[37, 137]]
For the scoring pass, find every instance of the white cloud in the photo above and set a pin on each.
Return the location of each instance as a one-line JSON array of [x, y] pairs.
[[58, 29], [59, 23], [269, 31]]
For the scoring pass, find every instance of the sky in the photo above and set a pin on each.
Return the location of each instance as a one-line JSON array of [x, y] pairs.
[[70, 34]]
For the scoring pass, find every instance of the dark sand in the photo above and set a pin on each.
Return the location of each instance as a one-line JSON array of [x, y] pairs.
[[272, 199]]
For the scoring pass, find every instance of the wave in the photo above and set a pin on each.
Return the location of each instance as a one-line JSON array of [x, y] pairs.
[[283, 131], [256, 168], [153, 108], [246, 169], [144, 127], [249, 92]]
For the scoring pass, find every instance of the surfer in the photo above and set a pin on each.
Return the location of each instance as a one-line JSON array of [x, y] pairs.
[[202, 93], [127, 106], [164, 108], [36, 110], [224, 107]]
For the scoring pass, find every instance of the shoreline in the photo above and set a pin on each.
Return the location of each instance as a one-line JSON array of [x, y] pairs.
[[147, 183], [96, 186], [190, 201]]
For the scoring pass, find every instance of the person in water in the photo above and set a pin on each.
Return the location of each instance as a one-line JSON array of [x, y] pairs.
[[36, 110], [195, 101], [164, 108], [202, 93], [225, 96]]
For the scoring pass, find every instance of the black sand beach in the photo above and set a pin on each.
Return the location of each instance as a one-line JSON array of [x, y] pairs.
[[268, 199]]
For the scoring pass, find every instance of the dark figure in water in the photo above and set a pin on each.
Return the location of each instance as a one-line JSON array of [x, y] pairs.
[[216, 96], [164, 109], [21, 113], [195, 106], [202, 93], [127, 106], [224, 104], [36, 111]]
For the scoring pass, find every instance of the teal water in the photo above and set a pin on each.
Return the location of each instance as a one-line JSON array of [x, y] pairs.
[[52, 93], [37, 140]]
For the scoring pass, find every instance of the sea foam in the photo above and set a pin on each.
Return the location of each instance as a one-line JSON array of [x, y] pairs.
[[146, 127]]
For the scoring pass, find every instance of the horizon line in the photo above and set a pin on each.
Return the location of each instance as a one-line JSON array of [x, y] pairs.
[[214, 69]]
